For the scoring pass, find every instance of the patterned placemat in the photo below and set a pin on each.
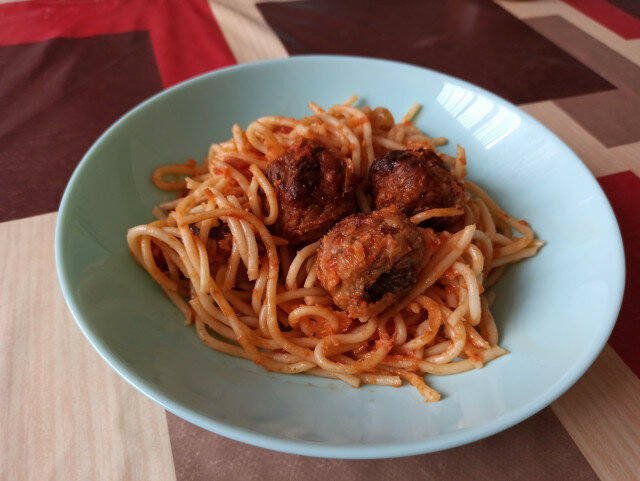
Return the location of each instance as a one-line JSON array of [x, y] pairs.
[[70, 69]]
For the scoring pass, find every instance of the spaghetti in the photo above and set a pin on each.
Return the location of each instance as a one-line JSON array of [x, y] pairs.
[[253, 295]]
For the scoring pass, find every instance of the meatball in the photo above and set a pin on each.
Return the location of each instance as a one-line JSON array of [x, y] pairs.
[[368, 261], [414, 181], [315, 189]]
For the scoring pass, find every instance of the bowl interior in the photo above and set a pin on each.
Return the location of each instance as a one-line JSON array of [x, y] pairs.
[[554, 312]]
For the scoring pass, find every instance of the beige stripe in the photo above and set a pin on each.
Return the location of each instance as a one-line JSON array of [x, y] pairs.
[[541, 8], [601, 413], [246, 32], [600, 160], [64, 414], [630, 153], [613, 116]]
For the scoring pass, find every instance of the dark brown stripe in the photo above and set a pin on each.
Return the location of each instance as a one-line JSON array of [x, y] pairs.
[[632, 7], [56, 98], [537, 449], [594, 54], [475, 40], [612, 117]]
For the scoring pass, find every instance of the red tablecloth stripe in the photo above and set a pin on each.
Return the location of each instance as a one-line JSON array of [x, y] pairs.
[[612, 17], [623, 191], [186, 38]]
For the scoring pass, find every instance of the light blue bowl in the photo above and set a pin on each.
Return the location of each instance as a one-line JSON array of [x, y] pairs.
[[554, 312]]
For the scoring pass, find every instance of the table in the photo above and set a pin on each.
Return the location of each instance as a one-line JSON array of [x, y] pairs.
[[69, 69]]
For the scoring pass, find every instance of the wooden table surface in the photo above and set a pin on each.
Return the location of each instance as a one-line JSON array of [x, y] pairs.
[[70, 69]]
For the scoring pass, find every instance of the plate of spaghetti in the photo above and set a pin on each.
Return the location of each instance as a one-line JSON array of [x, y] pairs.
[[284, 262]]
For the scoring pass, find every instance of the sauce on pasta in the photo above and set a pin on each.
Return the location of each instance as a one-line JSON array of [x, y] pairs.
[[341, 245]]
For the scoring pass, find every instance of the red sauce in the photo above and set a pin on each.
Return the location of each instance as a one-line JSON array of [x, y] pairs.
[[158, 257], [472, 352], [240, 165], [282, 129]]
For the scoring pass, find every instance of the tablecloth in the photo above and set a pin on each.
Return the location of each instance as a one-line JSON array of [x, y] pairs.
[[68, 69]]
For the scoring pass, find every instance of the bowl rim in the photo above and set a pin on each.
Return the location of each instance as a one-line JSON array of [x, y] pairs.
[[342, 451]]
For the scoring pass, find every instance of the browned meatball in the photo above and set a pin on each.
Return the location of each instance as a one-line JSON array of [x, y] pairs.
[[368, 261], [414, 181], [315, 189]]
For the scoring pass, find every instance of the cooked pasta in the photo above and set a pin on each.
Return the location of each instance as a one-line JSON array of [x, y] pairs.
[[286, 247]]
